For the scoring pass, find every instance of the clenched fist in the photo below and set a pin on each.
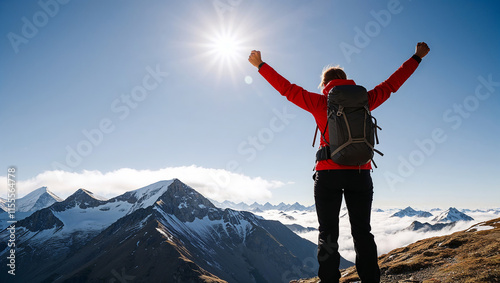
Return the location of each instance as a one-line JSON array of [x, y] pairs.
[[422, 49], [255, 58]]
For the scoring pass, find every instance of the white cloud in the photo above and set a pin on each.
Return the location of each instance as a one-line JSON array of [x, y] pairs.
[[216, 184]]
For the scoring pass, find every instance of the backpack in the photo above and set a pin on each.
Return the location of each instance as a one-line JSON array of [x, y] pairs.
[[352, 130]]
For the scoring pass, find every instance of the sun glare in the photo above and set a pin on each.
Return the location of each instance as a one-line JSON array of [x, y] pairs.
[[225, 47], [225, 51], [222, 46]]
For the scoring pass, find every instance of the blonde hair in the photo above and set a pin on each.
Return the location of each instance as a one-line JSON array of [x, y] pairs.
[[331, 73]]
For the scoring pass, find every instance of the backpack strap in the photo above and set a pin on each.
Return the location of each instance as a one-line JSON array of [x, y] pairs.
[[376, 126], [340, 112], [315, 134]]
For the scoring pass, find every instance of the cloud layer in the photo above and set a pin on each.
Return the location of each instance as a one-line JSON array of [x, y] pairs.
[[388, 231], [216, 184]]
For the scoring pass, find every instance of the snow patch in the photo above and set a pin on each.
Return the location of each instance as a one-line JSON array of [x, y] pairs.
[[149, 194], [169, 237]]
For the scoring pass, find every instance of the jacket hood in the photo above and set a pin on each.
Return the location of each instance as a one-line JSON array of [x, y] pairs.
[[333, 83]]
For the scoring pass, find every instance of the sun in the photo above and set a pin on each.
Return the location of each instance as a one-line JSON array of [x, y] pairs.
[[221, 47], [225, 47]]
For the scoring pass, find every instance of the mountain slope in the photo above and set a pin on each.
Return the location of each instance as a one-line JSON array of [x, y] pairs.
[[131, 248], [467, 256]]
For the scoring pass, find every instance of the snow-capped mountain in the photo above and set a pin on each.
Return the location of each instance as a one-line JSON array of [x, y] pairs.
[[27, 205], [160, 232], [452, 215], [36, 200], [410, 212]]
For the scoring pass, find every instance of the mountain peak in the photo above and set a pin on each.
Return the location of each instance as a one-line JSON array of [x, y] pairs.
[[145, 196], [452, 215], [87, 193], [81, 198], [37, 199], [409, 211], [184, 202]]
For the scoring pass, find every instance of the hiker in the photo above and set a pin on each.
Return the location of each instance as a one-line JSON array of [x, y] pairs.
[[332, 180]]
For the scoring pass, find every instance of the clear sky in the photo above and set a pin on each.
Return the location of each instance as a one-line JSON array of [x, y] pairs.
[[114, 95]]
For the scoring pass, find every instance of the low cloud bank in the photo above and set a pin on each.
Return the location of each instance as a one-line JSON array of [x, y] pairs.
[[216, 184]]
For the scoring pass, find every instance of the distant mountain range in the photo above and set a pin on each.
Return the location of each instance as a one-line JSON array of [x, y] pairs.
[[446, 219], [256, 207], [164, 232], [42, 198]]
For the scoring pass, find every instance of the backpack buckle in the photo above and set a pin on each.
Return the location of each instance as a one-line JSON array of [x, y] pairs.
[[340, 111]]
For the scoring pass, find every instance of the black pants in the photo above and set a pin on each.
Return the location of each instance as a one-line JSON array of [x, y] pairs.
[[357, 188]]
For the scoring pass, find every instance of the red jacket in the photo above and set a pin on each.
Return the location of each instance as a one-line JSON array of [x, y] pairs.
[[316, 103]]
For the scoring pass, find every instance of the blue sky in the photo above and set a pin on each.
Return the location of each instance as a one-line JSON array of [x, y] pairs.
[[120, 94]]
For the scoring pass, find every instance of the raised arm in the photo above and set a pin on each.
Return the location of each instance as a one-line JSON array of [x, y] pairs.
[[297, 95], [383, 91]]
